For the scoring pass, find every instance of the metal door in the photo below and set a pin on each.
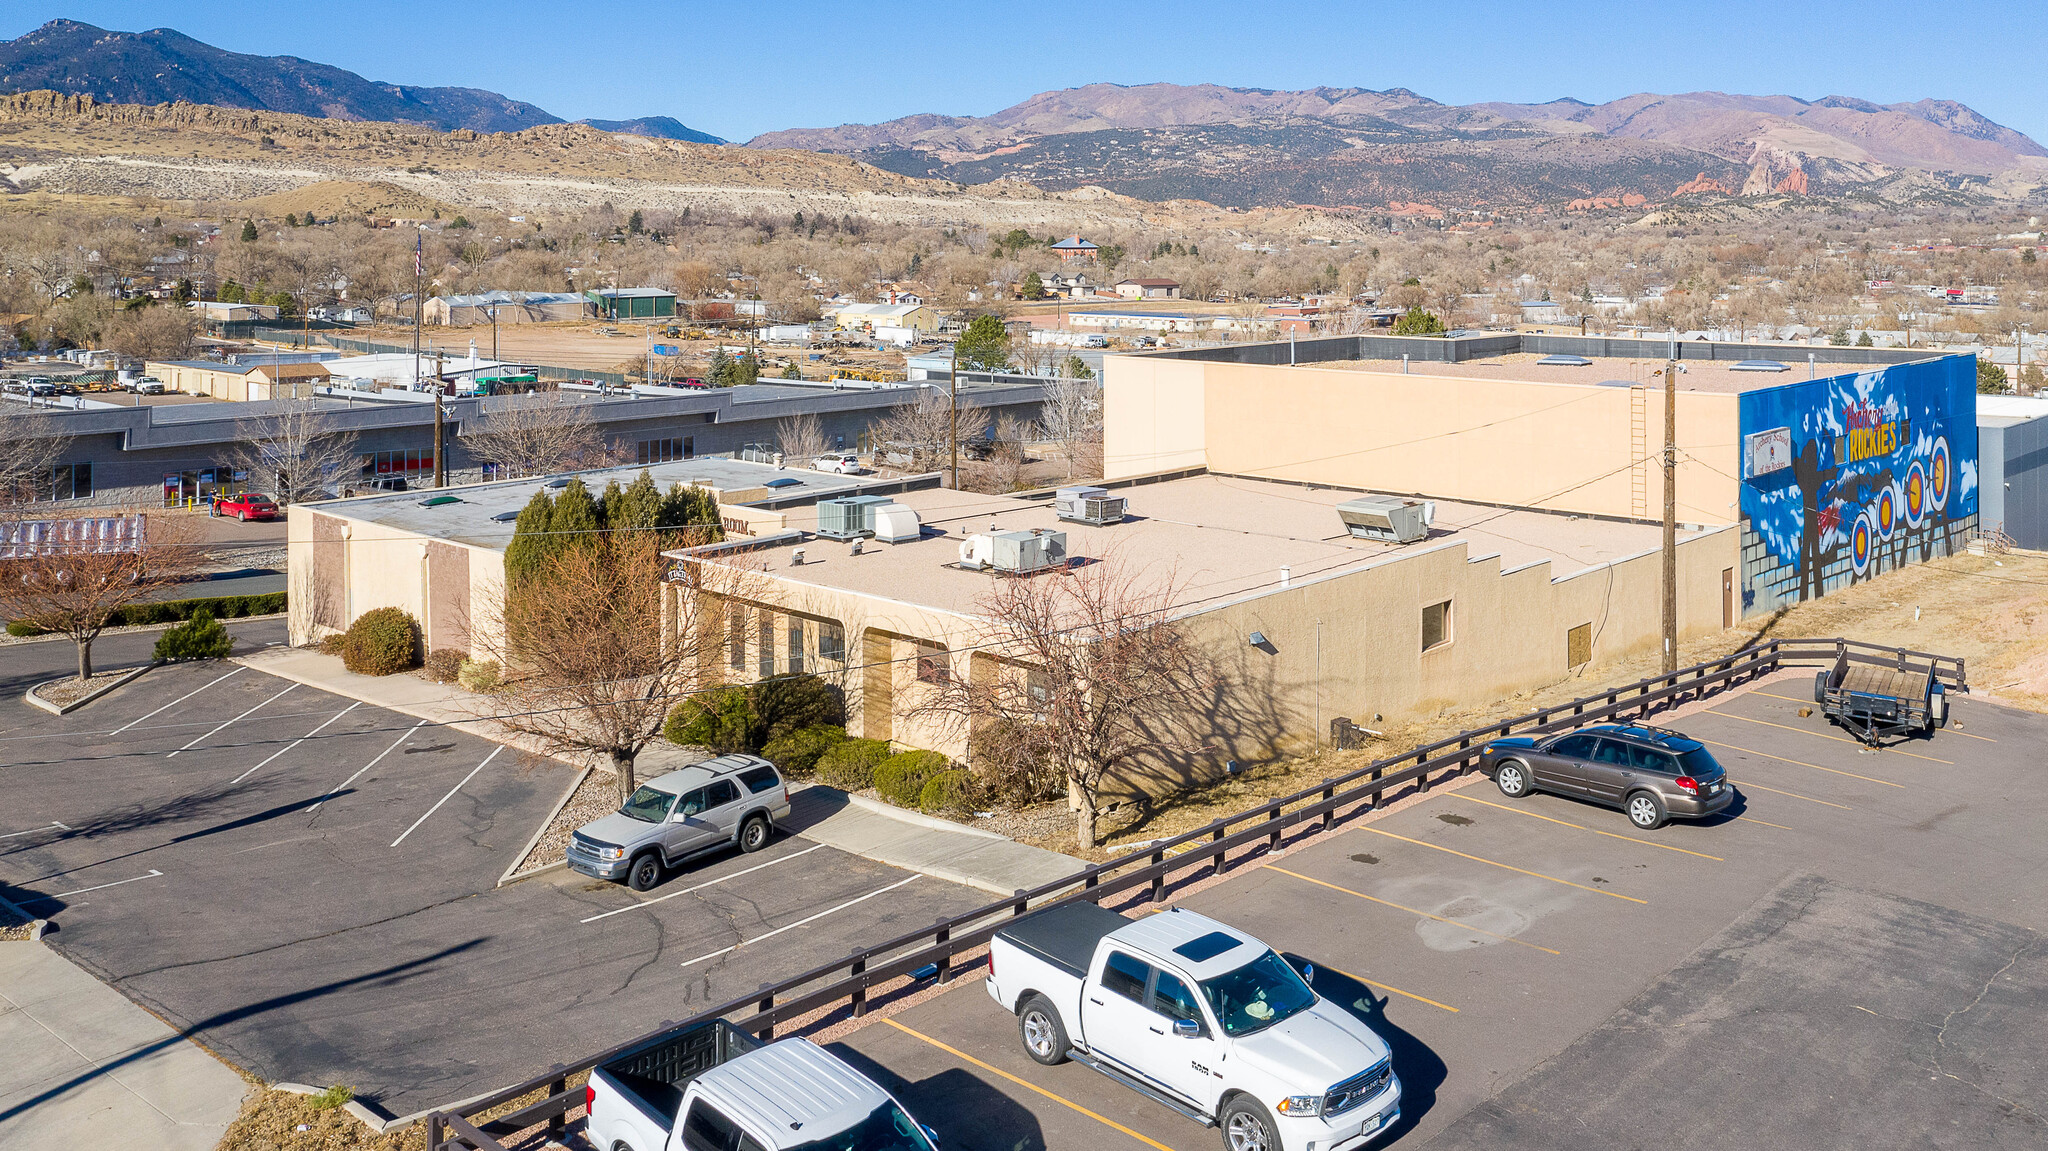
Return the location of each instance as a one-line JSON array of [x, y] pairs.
[[1185, 1064], [1610, 772], [688, 830], [722, 808], [1561, 768]]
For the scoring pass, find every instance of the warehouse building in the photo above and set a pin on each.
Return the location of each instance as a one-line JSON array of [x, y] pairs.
[[2012, 453], [239, 383], [633, 303], [179, 455], [502, 307]]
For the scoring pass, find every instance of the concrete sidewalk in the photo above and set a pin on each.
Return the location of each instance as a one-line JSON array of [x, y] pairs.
[[920, 843], [87, 1068]]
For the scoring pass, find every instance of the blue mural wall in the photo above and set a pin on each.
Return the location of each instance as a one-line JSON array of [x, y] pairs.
[[1853, 475]]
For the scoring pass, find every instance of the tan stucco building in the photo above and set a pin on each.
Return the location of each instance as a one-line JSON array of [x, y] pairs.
[[238, 383]]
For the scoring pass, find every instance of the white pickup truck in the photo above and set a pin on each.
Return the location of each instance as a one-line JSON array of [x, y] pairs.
[[1200, 1017], [716, 1088]]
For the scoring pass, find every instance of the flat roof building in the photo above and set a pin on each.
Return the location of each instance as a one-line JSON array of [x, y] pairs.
[[633, 303]]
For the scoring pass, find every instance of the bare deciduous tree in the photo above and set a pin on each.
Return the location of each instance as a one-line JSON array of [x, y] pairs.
[[801, 438], [531, 435], [70, 575], [28, 448], [154, 333], [595, 660], [1009, 457], [1089, 677], [296, 451], [922, 428], [1071, 418]]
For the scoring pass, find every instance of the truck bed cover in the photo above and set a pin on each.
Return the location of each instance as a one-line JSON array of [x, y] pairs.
[[1064, 936]]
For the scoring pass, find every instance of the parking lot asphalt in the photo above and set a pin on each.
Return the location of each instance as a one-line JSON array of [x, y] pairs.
[[306, 885], [1852, 957]]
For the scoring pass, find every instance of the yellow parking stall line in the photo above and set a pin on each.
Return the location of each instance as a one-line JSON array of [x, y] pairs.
[[1809, 703], [1793, 794], [1408, 909], [1583, 827], [959, 1054], [1392, 988], [1825, 735], [1765, 822], [1505, 866], [1801, 763]]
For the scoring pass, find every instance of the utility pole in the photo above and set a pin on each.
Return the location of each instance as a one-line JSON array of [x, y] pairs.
[[1671, 512], [953, 414], [419, 315], [440, 461]]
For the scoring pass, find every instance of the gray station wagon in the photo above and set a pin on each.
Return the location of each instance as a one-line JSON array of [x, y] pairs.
[[731, 801], [1652, 774]]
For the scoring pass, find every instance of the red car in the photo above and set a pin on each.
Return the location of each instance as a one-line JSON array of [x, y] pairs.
[[246, 506]]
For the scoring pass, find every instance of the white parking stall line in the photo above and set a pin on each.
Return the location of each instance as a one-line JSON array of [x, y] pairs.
[[380, 756], [295, 743], [33, 830], [223, 727], [799, 923], [451, 794], [699, 887], [153, 873], [177, 701]]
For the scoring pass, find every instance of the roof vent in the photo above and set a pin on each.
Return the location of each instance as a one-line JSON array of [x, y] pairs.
[[1085, 505], [1760, 366], [1563, 361], [1014, 553], [894, 523], [1387, 518]]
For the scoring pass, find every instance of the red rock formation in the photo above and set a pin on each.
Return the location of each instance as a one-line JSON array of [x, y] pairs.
[[1701, 183], [1794, 183]]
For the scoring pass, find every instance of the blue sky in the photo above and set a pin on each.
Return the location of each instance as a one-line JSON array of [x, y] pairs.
[[737, 69]]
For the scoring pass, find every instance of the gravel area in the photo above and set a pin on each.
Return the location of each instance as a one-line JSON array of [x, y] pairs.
[[65, 691], [596, 796]]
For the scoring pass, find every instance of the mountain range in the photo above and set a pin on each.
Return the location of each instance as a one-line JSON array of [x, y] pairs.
[[1244, 146], [163, 66], [1391, 150]]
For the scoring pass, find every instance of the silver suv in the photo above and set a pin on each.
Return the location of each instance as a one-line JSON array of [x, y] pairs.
[[1652, 774], [731, 801]]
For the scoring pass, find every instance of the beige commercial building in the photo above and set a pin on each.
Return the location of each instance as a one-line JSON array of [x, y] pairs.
[[1307, 622], [238, 383]]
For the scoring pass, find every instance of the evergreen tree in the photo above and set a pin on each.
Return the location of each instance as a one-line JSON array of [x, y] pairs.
[[636, 223], [611, 505], [1033, 287], [792, 372], [1416, 322], [531, 545], [1864, 340], [576, 517], [985, 346], [694, 508], [248, 230], [718, 369]]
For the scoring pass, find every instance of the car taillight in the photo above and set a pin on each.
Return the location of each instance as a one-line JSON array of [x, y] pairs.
[[1688, 784], [589, 1102], [991, 963]]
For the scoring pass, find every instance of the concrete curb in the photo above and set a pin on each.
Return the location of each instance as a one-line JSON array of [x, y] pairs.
[[134, 629], [35, 700], [513, 877], [364, 1115], [917, 817], [37, 928]]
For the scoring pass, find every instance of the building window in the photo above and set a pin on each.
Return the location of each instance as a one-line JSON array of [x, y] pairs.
[[69, 482], [663, 451], [831, 642], [766, 647], [1436, 625], [398, 463], [795, 649], [736, 638], [933, 666]]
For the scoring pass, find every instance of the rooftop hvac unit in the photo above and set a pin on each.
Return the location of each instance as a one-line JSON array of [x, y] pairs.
[[1387, 518], [1014, 553], [1083, 505], [849, 517], [894, 523]]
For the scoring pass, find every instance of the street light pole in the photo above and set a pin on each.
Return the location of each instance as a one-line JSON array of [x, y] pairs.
[[953, 414]]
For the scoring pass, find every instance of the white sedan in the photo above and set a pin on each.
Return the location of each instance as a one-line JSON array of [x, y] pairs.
[[842, 463]]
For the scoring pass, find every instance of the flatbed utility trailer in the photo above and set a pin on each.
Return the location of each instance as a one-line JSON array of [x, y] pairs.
[[1872, 701]]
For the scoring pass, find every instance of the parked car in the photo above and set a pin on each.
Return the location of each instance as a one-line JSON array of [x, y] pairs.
[[147, 386], [842, 463], [66, 388], [386, 484], [1652, 774], [1200, 1017], [246, 506], [731, 801], [716, 1088]]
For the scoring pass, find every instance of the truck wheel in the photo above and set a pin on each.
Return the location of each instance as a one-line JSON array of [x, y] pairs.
[[754, 833], [1045, 1037], [1512, 779], [1937, 709], [1820, 687], [1646, 811], [645, 872], [1245, 1127]]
